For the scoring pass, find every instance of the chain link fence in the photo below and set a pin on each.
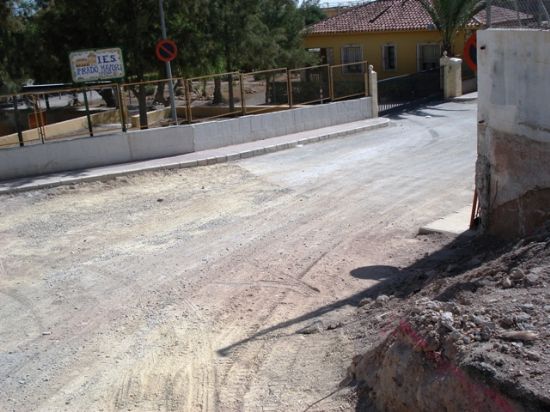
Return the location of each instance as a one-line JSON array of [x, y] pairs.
[[518, 13]]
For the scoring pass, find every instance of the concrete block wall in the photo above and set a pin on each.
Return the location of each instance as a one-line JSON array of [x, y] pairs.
[[513, 166], [67, 155]]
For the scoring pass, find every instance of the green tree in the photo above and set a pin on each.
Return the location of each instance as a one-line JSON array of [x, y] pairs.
[[277, 35], [64, 27], [13, 15], [312, 12], [451, 16], [133, 25], [255, 34], [212, 35]]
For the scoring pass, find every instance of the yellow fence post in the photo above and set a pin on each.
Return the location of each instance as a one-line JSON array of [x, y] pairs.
[[38, 118], [367, 79], [188, 86], [17, 123], [331, 83], [243, 100], [121, 107], [289, 88]]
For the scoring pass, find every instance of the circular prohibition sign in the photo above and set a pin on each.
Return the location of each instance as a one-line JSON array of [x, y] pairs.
[[166, 50], [470, 52]]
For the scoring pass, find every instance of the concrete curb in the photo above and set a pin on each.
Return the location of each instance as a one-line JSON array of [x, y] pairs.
[[465, 98], [131, 169], [456, 224]]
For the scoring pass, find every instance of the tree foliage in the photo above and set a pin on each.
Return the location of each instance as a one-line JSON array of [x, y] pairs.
[[451, 16], [312, 12], [277, 39], [212, 35], [13, 15]]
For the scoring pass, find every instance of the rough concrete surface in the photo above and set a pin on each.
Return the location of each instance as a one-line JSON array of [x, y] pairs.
[[512, 175], [226, 287]]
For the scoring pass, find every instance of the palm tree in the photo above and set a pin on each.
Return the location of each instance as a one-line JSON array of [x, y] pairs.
[[451, 16]]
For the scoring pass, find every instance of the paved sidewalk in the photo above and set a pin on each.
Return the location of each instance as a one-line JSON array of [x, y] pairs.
[[206, 157]]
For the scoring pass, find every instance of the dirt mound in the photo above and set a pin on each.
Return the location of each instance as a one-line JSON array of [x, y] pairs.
[[470, 335]]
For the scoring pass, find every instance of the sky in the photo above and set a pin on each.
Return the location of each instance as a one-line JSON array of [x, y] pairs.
[[338, 2], [324, 3]]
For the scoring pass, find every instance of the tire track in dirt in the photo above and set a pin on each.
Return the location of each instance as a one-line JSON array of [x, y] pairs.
[[176, 373], [233, 262]]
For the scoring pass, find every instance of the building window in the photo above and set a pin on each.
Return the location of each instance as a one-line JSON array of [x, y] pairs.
[[389, 57], [352, 54], [323, 55], [428, 56], [328, 55]]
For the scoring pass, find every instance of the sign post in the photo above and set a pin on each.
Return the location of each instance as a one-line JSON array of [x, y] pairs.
[[168, 66], [92, 66]]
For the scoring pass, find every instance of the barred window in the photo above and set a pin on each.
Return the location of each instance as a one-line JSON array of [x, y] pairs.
[[389, 57], [352, 54], [428, 56]]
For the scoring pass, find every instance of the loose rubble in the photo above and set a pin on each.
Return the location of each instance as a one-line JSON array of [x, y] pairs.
[[471, 336]]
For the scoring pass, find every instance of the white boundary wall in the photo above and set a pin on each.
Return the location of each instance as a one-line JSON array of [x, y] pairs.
[[82, 153], [513, 173]]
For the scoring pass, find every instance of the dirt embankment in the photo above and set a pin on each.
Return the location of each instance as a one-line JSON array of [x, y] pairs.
[[471, 334]]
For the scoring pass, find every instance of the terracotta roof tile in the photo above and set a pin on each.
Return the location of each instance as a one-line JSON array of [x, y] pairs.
[[395, 15]]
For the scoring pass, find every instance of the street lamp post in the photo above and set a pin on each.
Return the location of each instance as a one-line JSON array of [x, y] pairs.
[[168, 67]]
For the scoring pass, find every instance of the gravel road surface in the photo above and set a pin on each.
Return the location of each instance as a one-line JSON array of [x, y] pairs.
[[224, 287]]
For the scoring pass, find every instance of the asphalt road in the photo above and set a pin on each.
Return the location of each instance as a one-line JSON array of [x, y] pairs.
[[187, 290]]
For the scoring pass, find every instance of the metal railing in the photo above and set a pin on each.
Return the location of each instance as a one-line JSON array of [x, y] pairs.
[[400, 92], [265, 90], [309, 85], [92, 110], [214, 96], [31, 117], [343, 88]]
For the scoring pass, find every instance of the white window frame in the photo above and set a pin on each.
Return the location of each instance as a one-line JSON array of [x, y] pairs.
[[342, 54], [384, 46], [418, 46]]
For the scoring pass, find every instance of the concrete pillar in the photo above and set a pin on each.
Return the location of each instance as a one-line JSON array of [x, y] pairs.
[[452, 76], [512, 173], [373, 89]]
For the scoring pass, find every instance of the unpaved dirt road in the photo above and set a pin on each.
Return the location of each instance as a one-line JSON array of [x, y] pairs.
[[185, 290]]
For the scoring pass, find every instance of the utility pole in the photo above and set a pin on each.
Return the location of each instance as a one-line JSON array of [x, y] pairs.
[[168, 67]]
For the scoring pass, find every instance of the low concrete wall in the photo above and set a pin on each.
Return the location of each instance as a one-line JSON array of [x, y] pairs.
[[513, 177], [201, 112], [469, 86], [121, 147], [77, 154]]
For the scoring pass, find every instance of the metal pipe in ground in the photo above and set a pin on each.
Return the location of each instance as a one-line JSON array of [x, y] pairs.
[[17, 123], [88, 117], [119, 92], [289, 89]]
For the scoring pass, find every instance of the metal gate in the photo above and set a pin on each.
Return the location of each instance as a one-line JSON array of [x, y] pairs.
[[402, 92]]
